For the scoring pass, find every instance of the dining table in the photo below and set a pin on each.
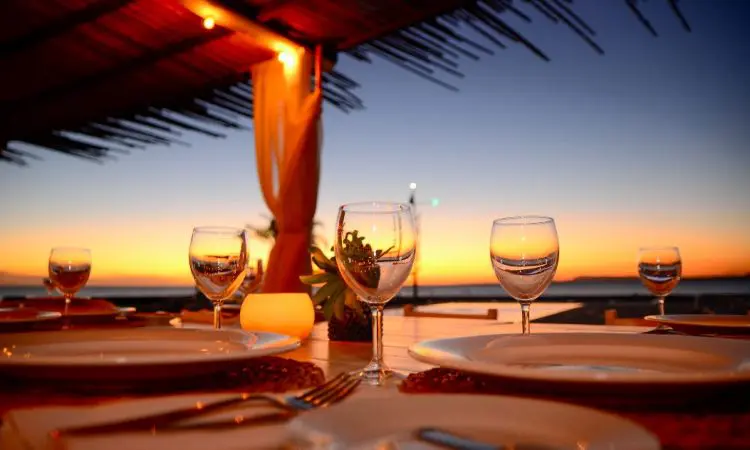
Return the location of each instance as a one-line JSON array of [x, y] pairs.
[[677, 428]]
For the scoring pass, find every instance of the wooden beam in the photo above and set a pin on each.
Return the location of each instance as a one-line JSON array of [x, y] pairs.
[[62, 24], [245, 22]]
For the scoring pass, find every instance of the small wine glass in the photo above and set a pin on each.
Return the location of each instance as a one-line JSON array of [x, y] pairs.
[[375, 247], [69, 271], [524, 251], [251, 283], [660, 270], [218, 260]]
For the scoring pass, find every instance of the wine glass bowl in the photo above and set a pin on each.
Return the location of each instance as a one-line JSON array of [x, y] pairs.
[[375, 246], [69, 271], [218, 260], [660, 271], [524, 251]]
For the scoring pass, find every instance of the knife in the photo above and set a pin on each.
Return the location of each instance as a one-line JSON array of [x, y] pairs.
[[455, 442]]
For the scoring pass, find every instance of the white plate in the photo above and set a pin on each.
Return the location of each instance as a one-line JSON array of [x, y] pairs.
[[376, 422], [130, 354], [643, 359], [705, 323]]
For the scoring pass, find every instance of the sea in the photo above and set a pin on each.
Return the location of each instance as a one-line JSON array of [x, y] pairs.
[[575, 289]]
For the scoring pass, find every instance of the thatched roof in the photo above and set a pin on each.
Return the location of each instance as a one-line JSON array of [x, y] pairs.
[[93, 77]]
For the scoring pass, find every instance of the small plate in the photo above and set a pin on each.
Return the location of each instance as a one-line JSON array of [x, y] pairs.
[[705, 323], [133, 354], [78, 308], [590, 359], [390, 421]]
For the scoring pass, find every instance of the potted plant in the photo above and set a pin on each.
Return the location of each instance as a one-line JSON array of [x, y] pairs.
[[347, 319]]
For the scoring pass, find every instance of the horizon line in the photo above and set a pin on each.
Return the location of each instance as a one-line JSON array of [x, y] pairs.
[[578, 279]]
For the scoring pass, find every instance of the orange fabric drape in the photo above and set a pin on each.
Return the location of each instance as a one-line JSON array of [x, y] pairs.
[[288, 135]]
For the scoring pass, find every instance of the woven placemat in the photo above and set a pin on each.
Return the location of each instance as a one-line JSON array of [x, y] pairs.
[[263, 374], [719, 421]]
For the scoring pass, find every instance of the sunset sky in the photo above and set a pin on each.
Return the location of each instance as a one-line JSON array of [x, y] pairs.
[[648, 144]]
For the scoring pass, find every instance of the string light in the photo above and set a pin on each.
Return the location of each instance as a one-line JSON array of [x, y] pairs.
[[209, 23]]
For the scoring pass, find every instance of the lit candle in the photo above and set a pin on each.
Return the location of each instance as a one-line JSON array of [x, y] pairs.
[[291, 314]]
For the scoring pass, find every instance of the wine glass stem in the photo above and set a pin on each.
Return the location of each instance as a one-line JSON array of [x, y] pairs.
[[217, 316], [67, 304], [525, 322], [377, 336], [660, 300]]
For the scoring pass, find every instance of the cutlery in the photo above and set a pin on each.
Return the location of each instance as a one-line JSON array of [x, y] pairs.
[[453, 441], [332, 391]]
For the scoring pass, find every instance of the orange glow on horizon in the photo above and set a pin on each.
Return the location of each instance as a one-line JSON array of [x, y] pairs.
[[451, 250]]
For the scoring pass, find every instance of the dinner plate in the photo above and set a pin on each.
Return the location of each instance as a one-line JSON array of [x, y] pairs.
[[705, 323], [133, 354], [13, 319], [20, 315], [648, 360], [392, 420]]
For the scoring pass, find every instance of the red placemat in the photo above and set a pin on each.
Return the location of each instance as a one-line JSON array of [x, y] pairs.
[[263, 374], [718, 421]]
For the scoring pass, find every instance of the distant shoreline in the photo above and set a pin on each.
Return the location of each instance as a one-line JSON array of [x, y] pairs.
[[455, 285]]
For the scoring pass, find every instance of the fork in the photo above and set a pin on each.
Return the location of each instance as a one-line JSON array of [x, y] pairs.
[[328, 393]]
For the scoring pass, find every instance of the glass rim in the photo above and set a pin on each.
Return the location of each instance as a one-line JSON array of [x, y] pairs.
[[651, 248], [219, 230], [361, 207], [523, 220], [69, 248]]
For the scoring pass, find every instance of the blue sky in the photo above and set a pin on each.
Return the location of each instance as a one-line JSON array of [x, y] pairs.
[[650, 139]]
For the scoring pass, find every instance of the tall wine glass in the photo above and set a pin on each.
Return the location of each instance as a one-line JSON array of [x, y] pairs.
[[69, 271], [660, 270], [375, 247], [218, 259], [524, 251]]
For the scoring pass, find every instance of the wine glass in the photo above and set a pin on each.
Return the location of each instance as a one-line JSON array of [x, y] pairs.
[[660, 270], [252, 282], [375, 247], [218, 260], [69, 271], [524, 251]]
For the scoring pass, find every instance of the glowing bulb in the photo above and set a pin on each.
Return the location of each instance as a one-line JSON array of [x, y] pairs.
[[412, 186], [209, 23], [285, 57]]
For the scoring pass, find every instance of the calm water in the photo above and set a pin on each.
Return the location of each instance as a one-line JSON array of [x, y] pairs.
[[614, 288]]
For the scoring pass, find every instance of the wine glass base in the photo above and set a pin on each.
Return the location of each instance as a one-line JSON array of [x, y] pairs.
[[661, 329], [381, 376]]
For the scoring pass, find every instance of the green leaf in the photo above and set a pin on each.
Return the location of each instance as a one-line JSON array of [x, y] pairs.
[[338, 300], [317, 278], [320, 259], [328, 310], [350, 299], [338, 307], [327, 290]]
